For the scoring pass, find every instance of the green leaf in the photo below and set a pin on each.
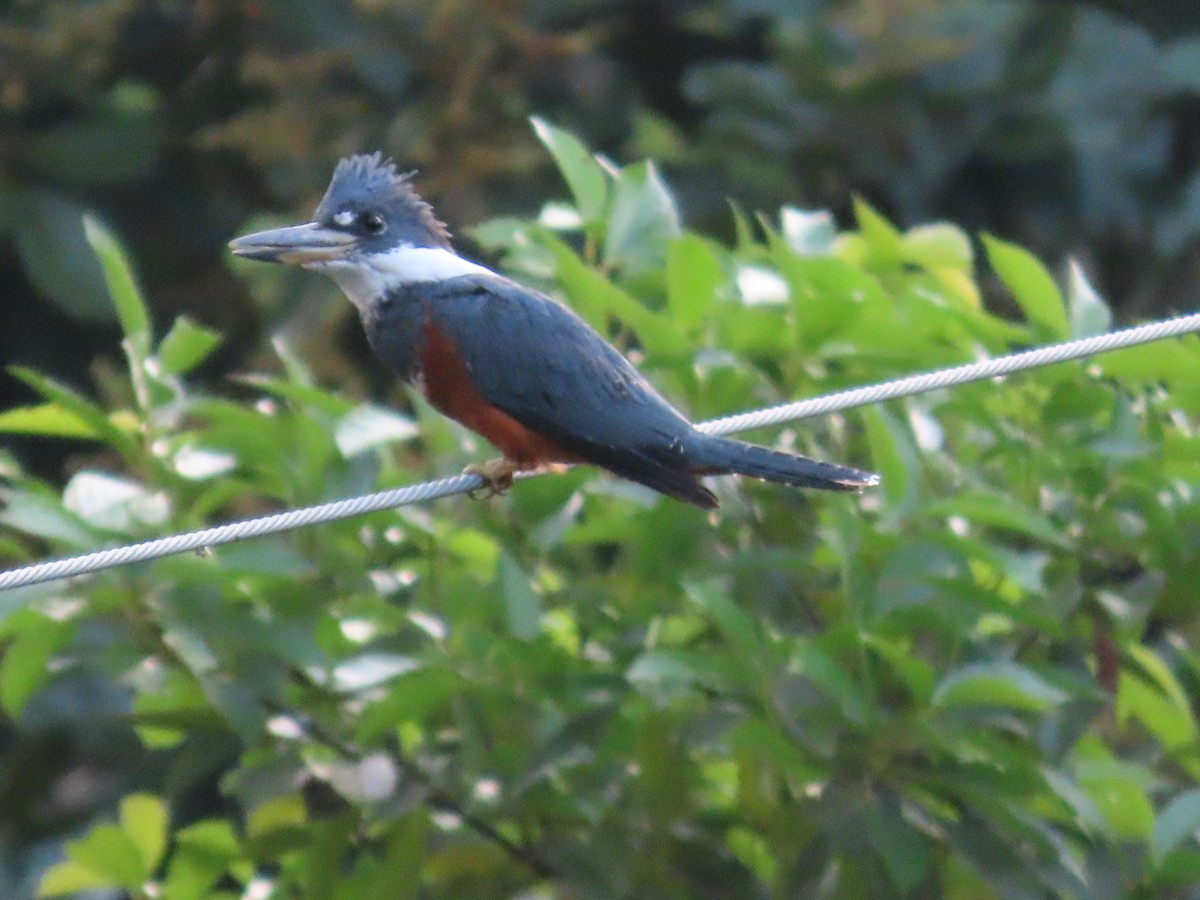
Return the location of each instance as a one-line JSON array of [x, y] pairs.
[[69, 400], [1001, 511], [912, 575], [109, 851], [305, 396], [1154, 666], [70, 877], [478, 551], [324, 870], [997, 684], [1176, 362], [44, 516], [1116, 790], [894, 456], [145, 819], [177, 703], [118, 275], [185, 346], [756, 331], [1084, 809], [411, 697], [596, 298], [743, 229], [753, 852], [1090, 315], [403, 866], [884, 243], [734, 623], [1181, 869], [828, 293], [902, 848], [1030, 285], [23, 668], [583, 174], [523, 609], [1177, 822], [47, 419], [918, 675], [823, 668], [1163, 707], [203, 852], [668, 673], [938, 245], [643, 221], [693, 278], [1174, 727], [277, 813], [762, 740]]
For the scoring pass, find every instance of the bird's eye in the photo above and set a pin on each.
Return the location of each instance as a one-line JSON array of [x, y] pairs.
[[372, 222]]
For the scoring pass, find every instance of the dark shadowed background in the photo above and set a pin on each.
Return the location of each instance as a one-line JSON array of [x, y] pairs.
[[1070, 127]]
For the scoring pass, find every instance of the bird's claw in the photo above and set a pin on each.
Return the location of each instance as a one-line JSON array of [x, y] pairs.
[[497, 475]]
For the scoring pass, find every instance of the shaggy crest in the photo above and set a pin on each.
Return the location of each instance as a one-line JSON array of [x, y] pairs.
[[373, 180], [373, 172]]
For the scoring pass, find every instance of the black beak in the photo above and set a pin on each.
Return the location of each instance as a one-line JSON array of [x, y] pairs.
[[298, 244]]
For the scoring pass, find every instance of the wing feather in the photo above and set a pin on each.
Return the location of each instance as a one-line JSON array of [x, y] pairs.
[[544, 366]]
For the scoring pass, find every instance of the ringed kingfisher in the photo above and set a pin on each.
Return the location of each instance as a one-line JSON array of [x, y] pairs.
[[506, 361]]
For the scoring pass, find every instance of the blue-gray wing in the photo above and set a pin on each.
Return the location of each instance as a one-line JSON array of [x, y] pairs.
[[545, 367]]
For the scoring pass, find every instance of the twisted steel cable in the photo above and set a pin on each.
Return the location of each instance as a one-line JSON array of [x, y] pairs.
[[956, 375], [461, 484]]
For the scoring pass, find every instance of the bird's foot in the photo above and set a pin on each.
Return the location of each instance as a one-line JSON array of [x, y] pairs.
[[497, 475]]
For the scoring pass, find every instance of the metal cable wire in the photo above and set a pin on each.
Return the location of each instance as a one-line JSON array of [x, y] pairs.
[[461, 484], [954, 376]]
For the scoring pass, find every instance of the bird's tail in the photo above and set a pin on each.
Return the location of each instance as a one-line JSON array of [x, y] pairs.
[[711, 455]]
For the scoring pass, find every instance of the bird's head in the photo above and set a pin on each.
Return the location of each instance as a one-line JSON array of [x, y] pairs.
[[371, 232], [369, 219]]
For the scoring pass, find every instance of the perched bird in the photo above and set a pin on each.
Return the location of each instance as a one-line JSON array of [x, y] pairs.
[[506, 361]]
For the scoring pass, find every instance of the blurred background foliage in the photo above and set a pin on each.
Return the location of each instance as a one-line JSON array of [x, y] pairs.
[[1070, 127], [978, 682]]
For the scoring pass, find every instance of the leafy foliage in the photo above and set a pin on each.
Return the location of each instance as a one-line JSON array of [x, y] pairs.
[[1069, 126], [977, 681]]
